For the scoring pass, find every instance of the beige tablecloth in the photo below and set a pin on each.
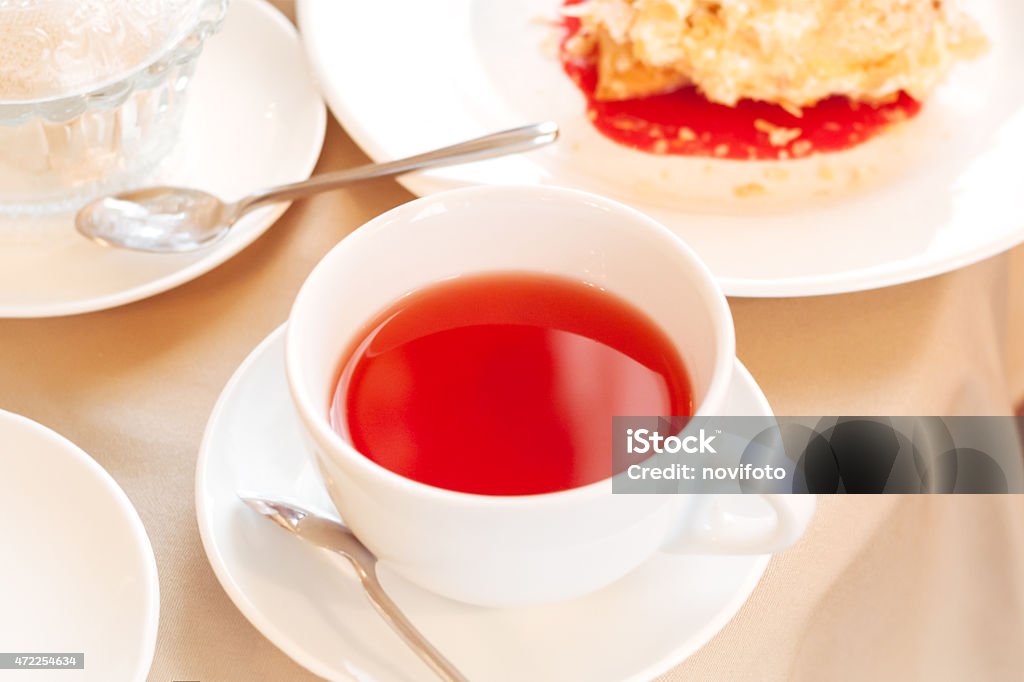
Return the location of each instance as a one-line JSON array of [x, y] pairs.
[[880, 587]]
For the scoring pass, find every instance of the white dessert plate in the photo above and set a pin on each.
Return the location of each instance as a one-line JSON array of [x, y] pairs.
[[309, 603], [77, 573], [935, 194], [254, 119]]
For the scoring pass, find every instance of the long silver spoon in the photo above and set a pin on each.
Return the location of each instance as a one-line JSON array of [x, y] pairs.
[[176, 219], [333, 536]]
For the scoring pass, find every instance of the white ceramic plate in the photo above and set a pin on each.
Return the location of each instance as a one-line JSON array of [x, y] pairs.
[[254, 119], [77, 572], [939, 193], [308, 603]]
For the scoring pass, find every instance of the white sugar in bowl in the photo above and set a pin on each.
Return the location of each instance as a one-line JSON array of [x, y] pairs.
[[92, 93]]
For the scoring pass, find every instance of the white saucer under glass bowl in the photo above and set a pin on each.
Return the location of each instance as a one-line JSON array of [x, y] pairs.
[[77, 572], [253, 119], [309, 603]]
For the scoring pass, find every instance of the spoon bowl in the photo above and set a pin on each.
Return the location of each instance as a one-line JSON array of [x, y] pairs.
[[157, 219]]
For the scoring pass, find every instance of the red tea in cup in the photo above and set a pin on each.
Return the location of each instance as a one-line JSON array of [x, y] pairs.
[[504, 384]]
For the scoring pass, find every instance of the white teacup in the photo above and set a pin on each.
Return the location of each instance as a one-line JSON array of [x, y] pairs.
[[493, 550]]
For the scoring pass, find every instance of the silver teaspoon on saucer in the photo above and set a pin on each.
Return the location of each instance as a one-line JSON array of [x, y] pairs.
[[335, 537], [177, 219]]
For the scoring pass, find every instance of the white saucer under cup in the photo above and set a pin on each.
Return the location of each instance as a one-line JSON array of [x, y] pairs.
[[309, 603], [936, 194], [77, 571], [254, 119]]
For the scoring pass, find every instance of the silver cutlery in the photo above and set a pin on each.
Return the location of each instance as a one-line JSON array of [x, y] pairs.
[[176, 219], [335, 537]]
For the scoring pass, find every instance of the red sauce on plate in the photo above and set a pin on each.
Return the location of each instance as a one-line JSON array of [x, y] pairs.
[[684, 122]]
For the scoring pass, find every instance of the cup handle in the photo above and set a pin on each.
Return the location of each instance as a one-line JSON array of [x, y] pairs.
[[715, 530]]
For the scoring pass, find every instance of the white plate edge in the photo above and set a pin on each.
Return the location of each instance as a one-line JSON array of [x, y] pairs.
[[138, 530], [894, 273]]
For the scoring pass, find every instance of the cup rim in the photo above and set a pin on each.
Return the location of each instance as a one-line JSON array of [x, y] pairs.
[[702, 279]]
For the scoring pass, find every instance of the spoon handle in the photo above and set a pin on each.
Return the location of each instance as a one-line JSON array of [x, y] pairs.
[[505, 142], [394, 617]]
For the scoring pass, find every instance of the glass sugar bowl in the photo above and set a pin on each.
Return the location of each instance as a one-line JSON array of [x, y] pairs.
[[92, 93]]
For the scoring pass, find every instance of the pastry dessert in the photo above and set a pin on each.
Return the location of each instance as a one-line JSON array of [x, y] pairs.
[[880, 55]]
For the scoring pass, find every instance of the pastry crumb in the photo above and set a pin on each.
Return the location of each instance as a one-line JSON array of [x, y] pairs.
[[801, 148], [751, 189], [778, 136]]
